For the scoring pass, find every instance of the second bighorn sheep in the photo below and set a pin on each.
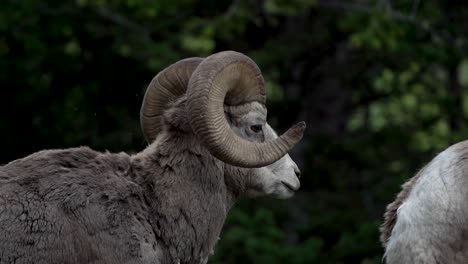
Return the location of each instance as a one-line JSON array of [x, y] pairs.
[[205, 120], [428, 221]]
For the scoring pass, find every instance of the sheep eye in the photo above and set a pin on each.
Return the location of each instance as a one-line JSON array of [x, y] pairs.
[[256, 128]]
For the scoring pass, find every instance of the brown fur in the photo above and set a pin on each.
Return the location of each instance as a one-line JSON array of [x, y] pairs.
[[391, 212], [166, 204]]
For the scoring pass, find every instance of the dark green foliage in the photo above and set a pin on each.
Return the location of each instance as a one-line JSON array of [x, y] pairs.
[[381, 84], [256, 236]]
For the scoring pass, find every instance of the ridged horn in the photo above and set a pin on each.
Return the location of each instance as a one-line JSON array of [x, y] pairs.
[[166, 87], [232, 78]]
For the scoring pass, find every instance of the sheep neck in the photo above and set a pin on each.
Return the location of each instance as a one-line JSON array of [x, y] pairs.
[[187, 195]]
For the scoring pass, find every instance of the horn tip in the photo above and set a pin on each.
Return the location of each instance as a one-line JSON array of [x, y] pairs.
[[298, 129], [301, 125]]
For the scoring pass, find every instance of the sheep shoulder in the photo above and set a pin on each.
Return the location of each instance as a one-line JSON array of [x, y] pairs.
[[428, 221], [73, 206]]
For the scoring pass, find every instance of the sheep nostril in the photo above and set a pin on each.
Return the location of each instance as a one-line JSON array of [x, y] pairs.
[[298, 173]]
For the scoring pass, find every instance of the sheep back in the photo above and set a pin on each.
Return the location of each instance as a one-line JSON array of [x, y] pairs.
[[73, 206]]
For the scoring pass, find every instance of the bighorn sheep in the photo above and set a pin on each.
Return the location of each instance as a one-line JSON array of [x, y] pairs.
[[209, 144], [428, 221]]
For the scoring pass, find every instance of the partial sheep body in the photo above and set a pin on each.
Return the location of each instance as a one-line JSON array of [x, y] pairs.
[[428, 222], [76, 197], [95, 204]]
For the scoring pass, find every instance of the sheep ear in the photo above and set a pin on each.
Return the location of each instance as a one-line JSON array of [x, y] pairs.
[[166, 87]]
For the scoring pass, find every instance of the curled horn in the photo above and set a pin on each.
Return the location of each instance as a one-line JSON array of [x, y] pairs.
[[166, 87], [232, 78]]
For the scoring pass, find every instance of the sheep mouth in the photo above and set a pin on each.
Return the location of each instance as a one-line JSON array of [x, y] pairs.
[[289, 186]]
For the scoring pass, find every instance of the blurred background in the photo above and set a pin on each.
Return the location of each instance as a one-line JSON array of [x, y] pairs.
[[381, 84]]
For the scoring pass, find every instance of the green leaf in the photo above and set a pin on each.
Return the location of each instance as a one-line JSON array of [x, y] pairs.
[[463, 73], [72, 48]]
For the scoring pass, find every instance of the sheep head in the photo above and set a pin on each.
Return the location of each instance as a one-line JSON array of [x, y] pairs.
[[224, 98], [279, 179]]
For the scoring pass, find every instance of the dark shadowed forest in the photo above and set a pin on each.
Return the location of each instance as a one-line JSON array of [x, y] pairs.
[[382, 85]]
